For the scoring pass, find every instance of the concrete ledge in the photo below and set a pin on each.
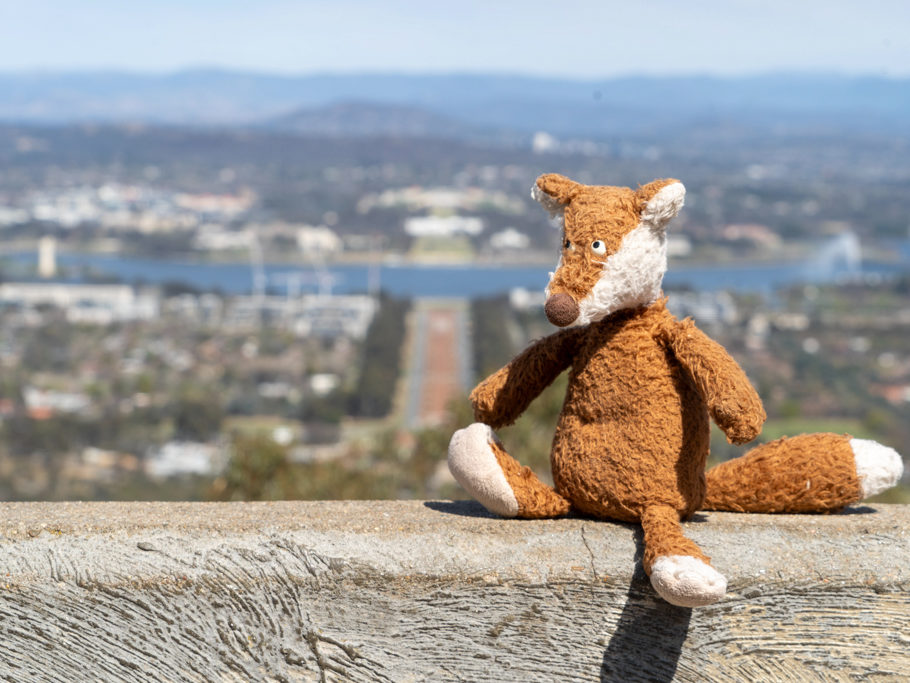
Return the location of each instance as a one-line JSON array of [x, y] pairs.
[[400, 591]]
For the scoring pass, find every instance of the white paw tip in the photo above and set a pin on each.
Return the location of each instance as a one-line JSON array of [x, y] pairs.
[[878, 467], [474, 466], [687, 581]]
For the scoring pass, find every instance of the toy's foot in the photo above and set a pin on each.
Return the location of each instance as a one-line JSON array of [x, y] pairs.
[[687, 581], [473, 464], [878, 467]]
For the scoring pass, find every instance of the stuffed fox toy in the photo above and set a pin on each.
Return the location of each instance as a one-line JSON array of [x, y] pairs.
[[632, 438]]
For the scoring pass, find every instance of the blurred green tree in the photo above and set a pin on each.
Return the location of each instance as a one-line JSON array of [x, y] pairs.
[[258, 469], [198, 413]]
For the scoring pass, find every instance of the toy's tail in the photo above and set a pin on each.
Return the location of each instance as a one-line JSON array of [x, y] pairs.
[[807, 473]]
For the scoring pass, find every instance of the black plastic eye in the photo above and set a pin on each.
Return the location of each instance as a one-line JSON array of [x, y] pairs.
[[568, 244], [598, 247]]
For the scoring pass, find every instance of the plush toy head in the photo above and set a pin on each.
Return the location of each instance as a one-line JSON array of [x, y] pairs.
[[614, 248]]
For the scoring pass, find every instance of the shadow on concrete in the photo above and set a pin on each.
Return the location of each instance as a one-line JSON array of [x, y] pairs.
[[463, 508], [649, 636], [858, 510], [471, 508]]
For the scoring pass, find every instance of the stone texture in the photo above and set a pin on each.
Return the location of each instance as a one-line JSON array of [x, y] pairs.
[[401, 591]]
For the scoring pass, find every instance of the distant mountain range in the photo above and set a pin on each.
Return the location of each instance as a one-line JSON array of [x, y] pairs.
[[356, 119], [459, 105]]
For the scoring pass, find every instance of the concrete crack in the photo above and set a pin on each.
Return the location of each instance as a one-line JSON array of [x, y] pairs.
[[590, 553]]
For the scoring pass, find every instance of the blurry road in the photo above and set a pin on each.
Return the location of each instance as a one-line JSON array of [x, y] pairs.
[[439, 370]]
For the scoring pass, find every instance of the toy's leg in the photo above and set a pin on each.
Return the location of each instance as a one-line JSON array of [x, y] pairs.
[[481, 465], [807, 473], [680, 572]]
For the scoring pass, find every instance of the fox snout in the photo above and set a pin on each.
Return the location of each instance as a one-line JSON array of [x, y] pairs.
[[561, 309]]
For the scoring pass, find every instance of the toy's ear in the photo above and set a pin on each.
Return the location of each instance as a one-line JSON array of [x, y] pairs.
[[554, 191], [660, 201]]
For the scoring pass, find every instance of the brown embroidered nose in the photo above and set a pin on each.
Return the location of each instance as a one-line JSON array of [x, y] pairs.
[[561, 309]]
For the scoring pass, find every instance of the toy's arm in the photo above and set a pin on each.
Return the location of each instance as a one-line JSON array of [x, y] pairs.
[[732, 401], [504, 395]]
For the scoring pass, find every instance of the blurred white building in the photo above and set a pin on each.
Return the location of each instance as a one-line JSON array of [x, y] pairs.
[[318, 239], [183, 457], [94, 304], [510, 238], [47, 257], [442, 226]]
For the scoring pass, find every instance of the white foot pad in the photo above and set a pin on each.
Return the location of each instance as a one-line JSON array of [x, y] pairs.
[[878, 467], [687, 581], [474, 466]]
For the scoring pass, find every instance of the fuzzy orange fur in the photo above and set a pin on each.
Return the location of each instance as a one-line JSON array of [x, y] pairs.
[[633, 432], [806, 473], [663, 536], [595, 213], [633, 435], [535, 499]]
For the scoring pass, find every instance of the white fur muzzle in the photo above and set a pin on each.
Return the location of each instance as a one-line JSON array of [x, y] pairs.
[[631, 277]]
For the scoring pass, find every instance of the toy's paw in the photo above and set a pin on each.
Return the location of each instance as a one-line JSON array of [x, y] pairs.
[[740, 419], [878, 467], [474, 466], [740, 431], [687, 581]]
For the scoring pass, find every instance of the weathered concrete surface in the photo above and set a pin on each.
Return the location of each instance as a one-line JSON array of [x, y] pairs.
[[403, 591]]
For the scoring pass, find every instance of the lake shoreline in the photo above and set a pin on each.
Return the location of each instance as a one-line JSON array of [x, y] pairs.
[[794, 253]]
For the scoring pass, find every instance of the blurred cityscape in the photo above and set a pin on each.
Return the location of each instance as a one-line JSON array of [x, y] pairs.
[[241, 311]]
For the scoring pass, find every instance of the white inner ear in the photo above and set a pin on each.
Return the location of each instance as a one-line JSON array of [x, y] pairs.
[[631, 277], [664, 206], [552, 206]]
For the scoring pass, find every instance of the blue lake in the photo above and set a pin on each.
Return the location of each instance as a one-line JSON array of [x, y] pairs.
[[441, 281]]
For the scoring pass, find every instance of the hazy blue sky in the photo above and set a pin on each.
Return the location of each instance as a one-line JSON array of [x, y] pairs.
[[552, 37]]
